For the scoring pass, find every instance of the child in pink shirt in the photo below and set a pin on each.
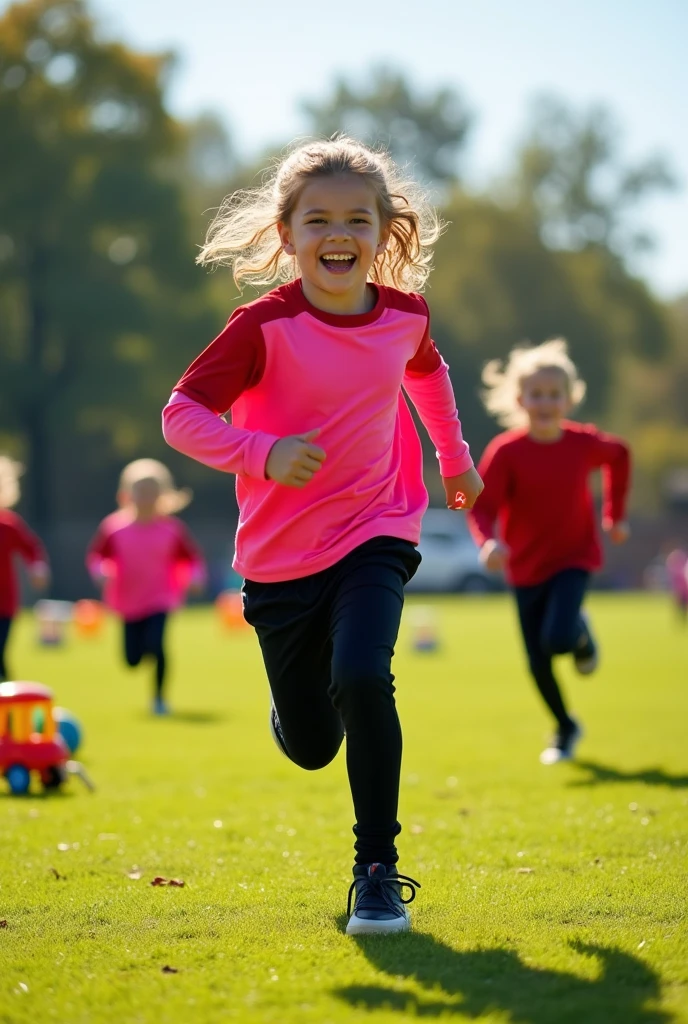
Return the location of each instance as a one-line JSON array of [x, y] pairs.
[[677, 574], [328, 463], [146, 560], [16, 539]]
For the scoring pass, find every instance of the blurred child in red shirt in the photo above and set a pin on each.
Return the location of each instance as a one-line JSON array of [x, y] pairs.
[[16, 539], [146, 559], [536, 518]]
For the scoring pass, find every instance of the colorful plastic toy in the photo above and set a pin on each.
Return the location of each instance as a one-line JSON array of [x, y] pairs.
[[230, 608], [88, 617], [52, 617], [22, 749]]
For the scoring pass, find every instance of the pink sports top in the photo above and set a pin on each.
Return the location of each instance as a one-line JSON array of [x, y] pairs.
[[284, 367]]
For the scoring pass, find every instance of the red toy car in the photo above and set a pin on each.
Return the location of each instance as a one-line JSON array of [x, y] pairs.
[[22, 748]]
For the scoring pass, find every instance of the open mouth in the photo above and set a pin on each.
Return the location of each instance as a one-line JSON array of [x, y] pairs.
[[338, 262]]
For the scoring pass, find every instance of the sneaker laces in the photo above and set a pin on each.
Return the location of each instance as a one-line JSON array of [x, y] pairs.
[[375, 887]]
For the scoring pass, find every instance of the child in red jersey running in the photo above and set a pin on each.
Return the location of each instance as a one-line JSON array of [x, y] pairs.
[[146, 559], [536, 520], [328, 462], [15, 539]]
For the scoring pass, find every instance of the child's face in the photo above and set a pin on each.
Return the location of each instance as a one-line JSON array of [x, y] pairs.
[[335, 233], [144, 495], [546, 399]]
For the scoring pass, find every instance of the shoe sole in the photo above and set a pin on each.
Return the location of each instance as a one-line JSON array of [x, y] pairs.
[[359, 926], [552, 755], [586, 666]]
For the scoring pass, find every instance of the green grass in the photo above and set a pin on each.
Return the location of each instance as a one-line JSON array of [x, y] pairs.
[[549, 895]]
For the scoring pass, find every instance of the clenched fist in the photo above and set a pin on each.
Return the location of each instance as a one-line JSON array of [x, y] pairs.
[[293, 461], [462, 491]]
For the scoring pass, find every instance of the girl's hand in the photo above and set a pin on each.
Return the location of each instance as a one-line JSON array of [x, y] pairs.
[[618, 533], [293, 461], [493, 555], [462, 490], [39, 574]]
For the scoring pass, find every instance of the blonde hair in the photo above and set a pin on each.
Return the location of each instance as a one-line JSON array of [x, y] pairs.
[[10, 471], [504, 381], [170, 501], [244, 234]]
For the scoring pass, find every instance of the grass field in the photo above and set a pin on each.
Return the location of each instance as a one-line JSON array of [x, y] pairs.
[[550, 895]]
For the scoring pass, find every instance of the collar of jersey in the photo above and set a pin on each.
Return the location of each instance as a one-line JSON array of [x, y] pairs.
[[340, 319]]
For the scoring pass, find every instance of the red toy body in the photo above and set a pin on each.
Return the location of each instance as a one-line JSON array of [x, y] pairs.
[[22, 749]]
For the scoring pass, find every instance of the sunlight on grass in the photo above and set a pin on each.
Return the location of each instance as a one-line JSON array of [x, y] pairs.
[[549, 895]]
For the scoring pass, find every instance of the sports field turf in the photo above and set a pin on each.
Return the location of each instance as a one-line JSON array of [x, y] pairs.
[[550, 895]]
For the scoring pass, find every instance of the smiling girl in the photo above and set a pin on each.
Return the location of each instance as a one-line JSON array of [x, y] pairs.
[[535, 518], [328, 462]]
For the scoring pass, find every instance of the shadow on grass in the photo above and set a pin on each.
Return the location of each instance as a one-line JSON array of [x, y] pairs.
[[600, 773], [497, 981], [190, 717]]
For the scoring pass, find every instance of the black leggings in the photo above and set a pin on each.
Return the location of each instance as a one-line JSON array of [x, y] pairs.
[[144, 637], [5, 624], [551, 624], [327, 642]]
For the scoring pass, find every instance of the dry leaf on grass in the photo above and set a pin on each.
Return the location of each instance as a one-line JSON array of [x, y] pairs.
[[3, 924], [57, 874], [159, 880], [169, 970]]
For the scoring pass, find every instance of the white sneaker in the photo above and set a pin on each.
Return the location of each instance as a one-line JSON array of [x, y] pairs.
[[276, 732], [563, 745]]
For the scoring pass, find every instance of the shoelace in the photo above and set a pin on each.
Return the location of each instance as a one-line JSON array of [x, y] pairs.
[[373, 888]]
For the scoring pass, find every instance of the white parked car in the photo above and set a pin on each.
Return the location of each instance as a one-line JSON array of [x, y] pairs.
[[450, 558]]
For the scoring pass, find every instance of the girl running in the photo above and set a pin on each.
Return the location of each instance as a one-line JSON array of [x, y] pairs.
[[536, 518], [15, 539], [146, 559], [328, 462]]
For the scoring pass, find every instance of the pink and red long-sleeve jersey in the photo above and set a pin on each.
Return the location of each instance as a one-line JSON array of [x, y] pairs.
[[147, 566], [537, 499], [15, 539], [284, 367]]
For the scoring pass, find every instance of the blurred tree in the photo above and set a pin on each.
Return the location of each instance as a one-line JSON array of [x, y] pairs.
[[571, 179], [425, 132], [96, 268]]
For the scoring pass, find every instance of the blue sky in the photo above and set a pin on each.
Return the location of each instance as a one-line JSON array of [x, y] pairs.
[[253, 62]]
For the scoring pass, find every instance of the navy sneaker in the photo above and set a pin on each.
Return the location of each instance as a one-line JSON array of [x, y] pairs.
[[276, 732], [160, 707], [586, 656], [379, 908], [563, 745]]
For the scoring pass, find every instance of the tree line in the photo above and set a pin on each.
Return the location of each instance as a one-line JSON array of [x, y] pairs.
[[104, 198]]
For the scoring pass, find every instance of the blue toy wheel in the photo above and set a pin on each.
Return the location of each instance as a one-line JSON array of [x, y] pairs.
[[18, 778]]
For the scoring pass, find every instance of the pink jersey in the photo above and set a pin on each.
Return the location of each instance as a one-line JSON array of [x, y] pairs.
[[284, 367], [148, 565]]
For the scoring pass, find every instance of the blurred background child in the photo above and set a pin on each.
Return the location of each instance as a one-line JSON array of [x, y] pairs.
[[677, 578], [16, 539], [147, 560], [536, 519]]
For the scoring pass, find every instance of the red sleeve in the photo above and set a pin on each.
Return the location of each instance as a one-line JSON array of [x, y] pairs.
[[494, 471], [613, 457], [187, 550], [100, 549], [427, 359], [232, 363], [26, 542]]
